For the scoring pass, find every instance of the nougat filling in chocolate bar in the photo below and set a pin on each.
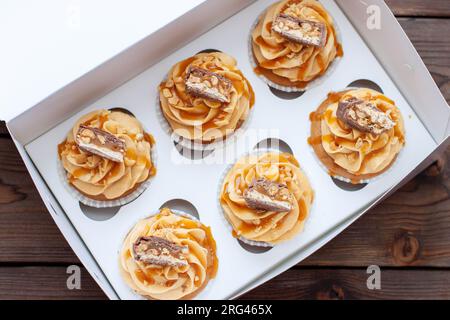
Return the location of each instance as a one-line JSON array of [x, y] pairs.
[[301, 31], [364, 116], [159, 251], [101, 143], [266, 195], [207, 84]]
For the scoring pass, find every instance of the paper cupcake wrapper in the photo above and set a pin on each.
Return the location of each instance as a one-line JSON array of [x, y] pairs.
[[223, 214], [313, 83], [106, 203], [131, 226], [193, 145], [344, 179]]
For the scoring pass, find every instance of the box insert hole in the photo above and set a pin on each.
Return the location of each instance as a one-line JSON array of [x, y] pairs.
[[191, 154], [126, 111], [274, 143], [347, 186], [181, 205], [208, 51], [365, 83], [253, 249], [98, 214], [286, 95]]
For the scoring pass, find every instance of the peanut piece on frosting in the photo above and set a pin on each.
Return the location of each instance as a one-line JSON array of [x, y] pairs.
[[101, 143], [307, 32], [364, 116], [159, 251], [207, 84], [266, 195]]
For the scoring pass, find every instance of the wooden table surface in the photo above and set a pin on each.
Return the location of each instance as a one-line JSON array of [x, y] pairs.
[[408, 235]]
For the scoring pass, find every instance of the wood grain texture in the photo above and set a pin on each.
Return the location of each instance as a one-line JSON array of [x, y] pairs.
[[27, 231], [3, 130], [419, 8], [44, 282], [327, 284]]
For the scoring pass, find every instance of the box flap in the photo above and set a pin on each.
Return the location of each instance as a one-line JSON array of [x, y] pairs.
[[62, 40]]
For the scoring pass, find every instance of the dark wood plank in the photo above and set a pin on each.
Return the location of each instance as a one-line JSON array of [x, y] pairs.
[[45, 283], [351, 284], [3, 130], [27, 231], [420, 8], [298, 283]]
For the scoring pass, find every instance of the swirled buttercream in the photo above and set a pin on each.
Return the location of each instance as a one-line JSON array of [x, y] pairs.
[[286, 62], [172, 282], [100, 178], [352, 153], [201, 119], [261, 225]]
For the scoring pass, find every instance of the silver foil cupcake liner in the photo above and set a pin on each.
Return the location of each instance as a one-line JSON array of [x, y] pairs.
[[223, 214], [344, 179], [62, 173], [312, 84]]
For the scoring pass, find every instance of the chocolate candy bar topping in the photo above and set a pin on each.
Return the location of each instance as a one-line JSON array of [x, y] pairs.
[[159, 251], [266, 195], [364, 116], [100, 142], [302, 31], [207, 84]]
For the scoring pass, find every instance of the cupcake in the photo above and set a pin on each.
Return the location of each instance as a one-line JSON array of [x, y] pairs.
[[107, 155], [168, 257], [357, 134], [206, 98], [293, 43], [266, 198]]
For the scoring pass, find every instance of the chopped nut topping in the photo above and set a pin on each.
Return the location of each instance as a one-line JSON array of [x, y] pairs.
[[266, 195], [169, 83], [173, 100], [159, 251], [364, 116], [167, 93], [302, 31], [207, 84]]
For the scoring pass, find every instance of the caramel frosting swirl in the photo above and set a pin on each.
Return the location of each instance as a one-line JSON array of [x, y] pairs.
[[170, 282], [102, 179], [362, 153], [286, 62], [200, 119], [266, 226]]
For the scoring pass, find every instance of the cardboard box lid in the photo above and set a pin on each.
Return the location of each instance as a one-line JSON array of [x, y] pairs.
[[48, 44]]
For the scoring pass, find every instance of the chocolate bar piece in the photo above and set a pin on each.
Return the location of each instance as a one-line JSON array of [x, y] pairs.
[[207, 84], [302, 31], [100, 142], [159, 251], [266, 195], [364, 116]]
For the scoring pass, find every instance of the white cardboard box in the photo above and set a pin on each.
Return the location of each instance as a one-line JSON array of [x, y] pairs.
[[130, 79]]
